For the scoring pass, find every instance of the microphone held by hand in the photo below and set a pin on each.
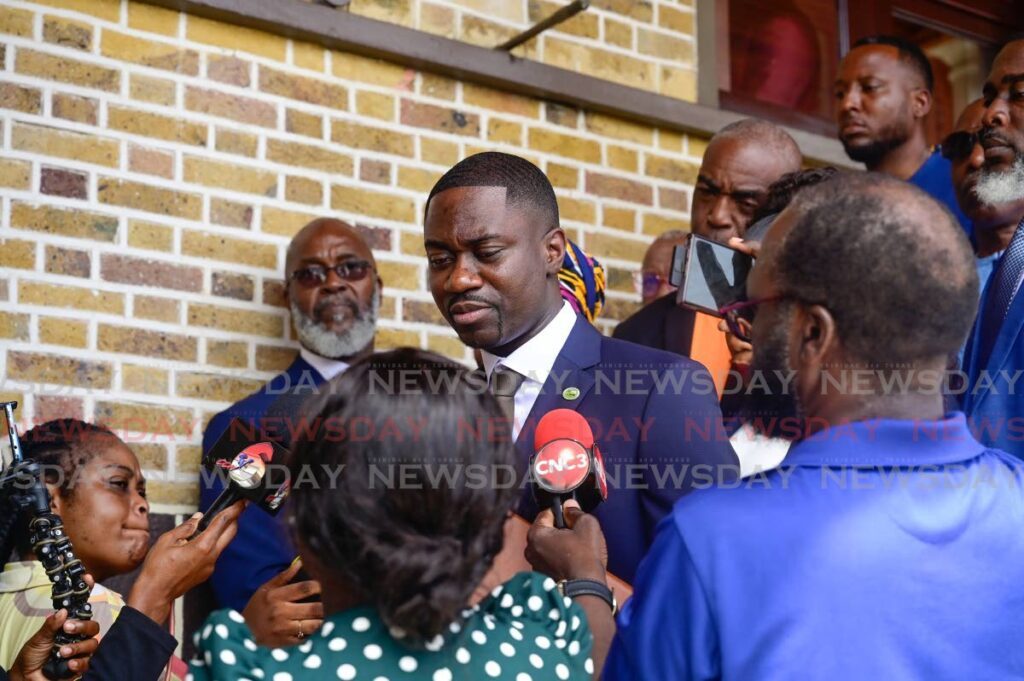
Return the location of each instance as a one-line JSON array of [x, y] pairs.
[[567, 464]]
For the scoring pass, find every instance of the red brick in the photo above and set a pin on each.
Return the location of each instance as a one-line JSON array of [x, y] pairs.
[[151, 161], [230, 70], [125, 269], [26, 99], [566, 116], [40, 368], [230, 285], [377, 238], [62, 182], [378, 172], [230, 213], [235, 107], [67, 261], [303, 89], [74, 108], [673, 199], [154, 344], [439, 118], [52, 407], [619, 188]]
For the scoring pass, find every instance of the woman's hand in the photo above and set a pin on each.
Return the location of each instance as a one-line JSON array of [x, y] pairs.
[[175, 564], [275, 616], [34, 654], [577, 552]]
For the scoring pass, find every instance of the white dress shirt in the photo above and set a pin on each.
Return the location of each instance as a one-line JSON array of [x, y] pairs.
[[326, 367], [534, 360]]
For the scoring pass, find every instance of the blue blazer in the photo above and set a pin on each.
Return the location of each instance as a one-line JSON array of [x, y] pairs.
[[657, 422], [995, 407], [262, 548]]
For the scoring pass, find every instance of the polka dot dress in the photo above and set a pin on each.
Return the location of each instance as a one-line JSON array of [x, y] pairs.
[[524, 631]]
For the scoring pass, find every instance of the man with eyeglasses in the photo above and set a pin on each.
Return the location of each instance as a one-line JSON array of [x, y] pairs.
[[994, 357], [334, 294], [883, 93], [652, 281], [887, 545], [741, 162]]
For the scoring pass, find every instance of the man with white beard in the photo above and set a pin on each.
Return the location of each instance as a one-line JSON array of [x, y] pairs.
[[994, 359], [334, 295]]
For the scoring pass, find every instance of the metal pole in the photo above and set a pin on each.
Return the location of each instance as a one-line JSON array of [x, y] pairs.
[[567, 12]]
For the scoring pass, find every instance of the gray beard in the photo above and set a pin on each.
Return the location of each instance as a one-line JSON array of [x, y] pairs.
[[995, 188], [314, 337]]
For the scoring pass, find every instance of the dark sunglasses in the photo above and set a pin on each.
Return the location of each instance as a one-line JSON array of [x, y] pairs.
[[743, 310], [958, 145], [315, 275]]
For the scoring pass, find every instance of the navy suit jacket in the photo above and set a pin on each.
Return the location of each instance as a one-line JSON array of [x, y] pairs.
[[262, 548], [656, 420], [994, 403]]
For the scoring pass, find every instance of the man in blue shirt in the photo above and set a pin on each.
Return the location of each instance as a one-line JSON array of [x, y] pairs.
[[888, 543], [883, 94]]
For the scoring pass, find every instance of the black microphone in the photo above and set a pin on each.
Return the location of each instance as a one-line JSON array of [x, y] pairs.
[[246, 461], [567, 464]]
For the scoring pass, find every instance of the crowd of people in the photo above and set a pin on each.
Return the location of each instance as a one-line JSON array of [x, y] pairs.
[[799, 490]]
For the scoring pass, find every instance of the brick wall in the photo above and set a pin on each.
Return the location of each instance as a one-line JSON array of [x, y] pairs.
[[153, 167]]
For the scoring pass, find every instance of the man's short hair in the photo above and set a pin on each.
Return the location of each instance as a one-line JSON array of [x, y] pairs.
[[525, 183], [889, 262], [910, 54]]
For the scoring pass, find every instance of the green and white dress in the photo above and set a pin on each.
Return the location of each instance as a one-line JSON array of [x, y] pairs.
[[524, 631]]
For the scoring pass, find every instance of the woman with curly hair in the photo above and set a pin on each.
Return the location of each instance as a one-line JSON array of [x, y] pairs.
[[398, 505]]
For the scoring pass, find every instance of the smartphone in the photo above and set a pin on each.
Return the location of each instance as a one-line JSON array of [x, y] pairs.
[[713, 275]]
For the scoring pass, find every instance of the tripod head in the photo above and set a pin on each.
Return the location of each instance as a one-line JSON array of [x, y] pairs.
[[23, 482]]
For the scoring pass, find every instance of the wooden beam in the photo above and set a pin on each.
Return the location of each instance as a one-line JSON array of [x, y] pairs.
[[422, 51]]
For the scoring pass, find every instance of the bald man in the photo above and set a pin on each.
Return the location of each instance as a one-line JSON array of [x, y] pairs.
[[740, 163], [334, 295]]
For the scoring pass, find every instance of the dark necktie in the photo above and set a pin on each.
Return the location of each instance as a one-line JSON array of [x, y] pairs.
[[1005, 281], [504, 384]]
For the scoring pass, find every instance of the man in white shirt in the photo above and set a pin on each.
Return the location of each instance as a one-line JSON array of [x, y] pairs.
[[334, 295], [494, 247]]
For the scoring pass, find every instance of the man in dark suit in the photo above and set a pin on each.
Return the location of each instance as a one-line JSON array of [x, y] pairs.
[[994, 358], [494, 247], [741, 161], [334, 294]]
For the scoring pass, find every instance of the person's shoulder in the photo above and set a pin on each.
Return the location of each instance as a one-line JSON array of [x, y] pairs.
[[619, 350], [256, 402]]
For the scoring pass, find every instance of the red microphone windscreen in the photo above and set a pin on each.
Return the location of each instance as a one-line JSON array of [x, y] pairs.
[[562, 423]]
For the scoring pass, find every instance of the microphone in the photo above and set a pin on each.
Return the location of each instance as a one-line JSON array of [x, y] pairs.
[[567, 464], [247, 471]]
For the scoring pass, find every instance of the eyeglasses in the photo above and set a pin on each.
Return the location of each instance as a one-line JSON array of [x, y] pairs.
[[647, 283], [958, 145], [740, 316], [315, 275]]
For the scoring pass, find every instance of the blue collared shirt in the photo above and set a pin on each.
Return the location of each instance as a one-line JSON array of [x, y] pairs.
[[880, 550], [935, 178]]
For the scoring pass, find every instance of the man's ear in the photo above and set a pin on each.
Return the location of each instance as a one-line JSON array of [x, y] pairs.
[[554, 244], [817, 339], [920, 102]]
